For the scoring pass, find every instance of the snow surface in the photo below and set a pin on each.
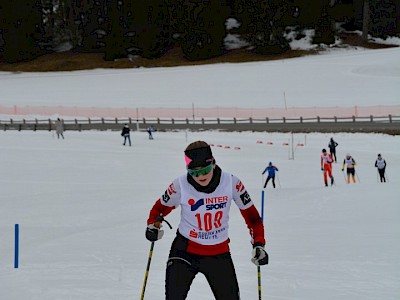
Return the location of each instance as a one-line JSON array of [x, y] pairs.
[[82, 202], [337, 77]]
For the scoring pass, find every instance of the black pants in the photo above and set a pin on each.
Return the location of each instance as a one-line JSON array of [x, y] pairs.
[[127, 137], [333, 153], [351, 171], [382, 174], [273, 181], [182, 268]]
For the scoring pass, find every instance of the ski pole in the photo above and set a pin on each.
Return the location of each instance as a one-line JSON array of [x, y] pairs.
[[147, 270], [279, 182], [344, 176], [358, 178], [146, 275], [259, 282]]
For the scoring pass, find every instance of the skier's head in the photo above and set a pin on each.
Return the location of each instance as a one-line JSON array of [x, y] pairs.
[[348, 155], [126, 125], [198, 154], [270, 163], [324, 150], [379, 155], [200, 162]]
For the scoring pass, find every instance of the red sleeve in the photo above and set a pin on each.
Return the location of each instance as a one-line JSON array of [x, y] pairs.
[[254, 223], [158, 209]]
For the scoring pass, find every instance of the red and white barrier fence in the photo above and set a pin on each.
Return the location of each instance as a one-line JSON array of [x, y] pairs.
[[210, 112]]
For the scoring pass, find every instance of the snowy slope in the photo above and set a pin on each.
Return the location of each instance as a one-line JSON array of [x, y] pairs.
[[337, 78], [82, 202], [82, 205]]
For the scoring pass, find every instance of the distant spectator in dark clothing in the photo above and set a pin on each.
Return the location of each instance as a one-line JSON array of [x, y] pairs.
[[59, 128], [332, 148], [126, 134]]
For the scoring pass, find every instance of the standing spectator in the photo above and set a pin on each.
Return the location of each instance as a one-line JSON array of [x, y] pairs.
[[332, 148], [150, 130], [126, 134], [59, 128], [326, 166], [271, 174], [350, 164], [380, 163], [205, 194]]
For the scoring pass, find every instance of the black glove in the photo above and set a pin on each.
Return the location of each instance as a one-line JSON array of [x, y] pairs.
[[322, 169], [153, 233], [259, 256]]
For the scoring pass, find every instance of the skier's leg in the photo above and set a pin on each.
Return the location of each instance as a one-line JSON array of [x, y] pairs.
[[180, 270], [329, 171], [266, 182], [273, 181], [220, 274], [382, 175], [179, 277], [325, 177]]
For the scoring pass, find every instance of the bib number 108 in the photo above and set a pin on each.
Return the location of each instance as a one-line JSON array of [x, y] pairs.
[[209, 221]]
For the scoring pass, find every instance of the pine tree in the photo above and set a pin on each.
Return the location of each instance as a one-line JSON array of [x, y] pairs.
[[20, 29], [203, 26]]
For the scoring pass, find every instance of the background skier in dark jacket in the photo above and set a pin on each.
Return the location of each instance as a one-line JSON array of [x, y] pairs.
[[271, 174]]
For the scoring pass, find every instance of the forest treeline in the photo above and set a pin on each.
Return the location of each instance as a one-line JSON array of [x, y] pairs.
[[118, 28]]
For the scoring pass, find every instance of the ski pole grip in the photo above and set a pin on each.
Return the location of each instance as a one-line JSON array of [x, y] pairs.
[[159, 220]]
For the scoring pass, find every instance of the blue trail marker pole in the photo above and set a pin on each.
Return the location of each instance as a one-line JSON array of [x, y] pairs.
[[16, 252]]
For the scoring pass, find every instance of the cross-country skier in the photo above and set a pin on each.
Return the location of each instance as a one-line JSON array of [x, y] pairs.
[[205, 194], [380, 163], [271, 174], [326, 166], [350, 164], [150, 130]]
